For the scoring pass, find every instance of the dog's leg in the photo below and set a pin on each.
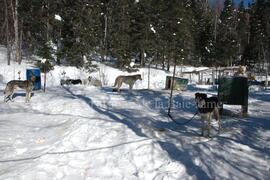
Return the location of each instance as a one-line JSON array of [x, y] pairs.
[[219, 122], [29, 95], [11, 95], [5, 98], [26, 97], [119, 84], [130, 88], [209, 117], [202, 125], [217, 115]]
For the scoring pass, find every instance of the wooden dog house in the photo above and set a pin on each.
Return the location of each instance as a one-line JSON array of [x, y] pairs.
[[178, 84], [233, 90]]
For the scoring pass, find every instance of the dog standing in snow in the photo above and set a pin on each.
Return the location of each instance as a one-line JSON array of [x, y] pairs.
[[27, 85], [130, 80], [207, 107], [241, 70]]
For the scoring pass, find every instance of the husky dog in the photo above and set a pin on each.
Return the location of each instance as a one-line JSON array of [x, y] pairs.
[[27, 85], [130, 80], [92, 81], [86, 81], [207, 107], [63, 82], [76, 81], [70, 81]]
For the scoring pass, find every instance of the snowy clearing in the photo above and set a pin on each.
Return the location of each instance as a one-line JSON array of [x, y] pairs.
[[89, 133]]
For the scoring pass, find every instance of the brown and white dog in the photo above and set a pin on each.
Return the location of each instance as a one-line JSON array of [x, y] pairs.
[[207, 107], [241, 70]]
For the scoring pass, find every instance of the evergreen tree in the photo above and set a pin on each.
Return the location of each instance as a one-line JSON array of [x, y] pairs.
[[120, 38], [242, 29], [185, 32], [226, 47], [203, 32], [37, 17], [259, 33], [142, 30], [174, 33]]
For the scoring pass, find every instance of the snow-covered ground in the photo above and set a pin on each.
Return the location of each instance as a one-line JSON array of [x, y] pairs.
[[91, 133]]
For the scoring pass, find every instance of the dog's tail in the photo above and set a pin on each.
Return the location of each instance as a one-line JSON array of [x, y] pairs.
[[116, 81]]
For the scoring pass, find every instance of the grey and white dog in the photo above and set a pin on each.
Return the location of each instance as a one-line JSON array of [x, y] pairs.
[[92, 81], [27, 85]]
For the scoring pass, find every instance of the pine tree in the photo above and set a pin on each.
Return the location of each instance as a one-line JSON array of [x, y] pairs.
[[259, 33], [119, 28], [203, 32], [142, 30], [242, 29], [37, 27], [226, 47], [174, 33], [81, 30]]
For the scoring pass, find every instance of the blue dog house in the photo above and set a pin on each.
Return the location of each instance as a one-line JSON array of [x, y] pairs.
[[36, 72]]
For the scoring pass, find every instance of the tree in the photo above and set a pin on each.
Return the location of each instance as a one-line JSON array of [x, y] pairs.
[[14, 7], [120, 32], [226, 47], [242, 29], [203, 32], [45, 67], [143, 30], [259, 33], [7, 32]]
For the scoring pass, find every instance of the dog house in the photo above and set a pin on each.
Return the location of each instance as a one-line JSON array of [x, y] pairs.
[[233, 90], [178, 84], [36, 72]]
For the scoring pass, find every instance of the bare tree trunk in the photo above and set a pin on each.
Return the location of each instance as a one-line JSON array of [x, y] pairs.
[[105, 38], [20, 42], [7, 33], [265, 63], [44, 88], [163, 61], [169, 62], [16, 31], [142, 57], [172, 86]]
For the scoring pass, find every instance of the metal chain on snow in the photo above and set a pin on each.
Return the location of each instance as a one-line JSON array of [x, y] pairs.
[[170, 103], [176, 122]]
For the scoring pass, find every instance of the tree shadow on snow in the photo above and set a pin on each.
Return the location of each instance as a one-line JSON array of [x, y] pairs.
[[133, 119], [109, 113], [157, 102], [262, 96], [203, 160]]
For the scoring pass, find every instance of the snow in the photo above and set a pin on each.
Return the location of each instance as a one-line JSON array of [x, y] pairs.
[[57, 17], [85, 132], [207, 49], [152, 28]]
